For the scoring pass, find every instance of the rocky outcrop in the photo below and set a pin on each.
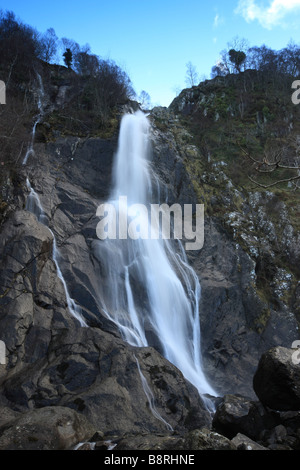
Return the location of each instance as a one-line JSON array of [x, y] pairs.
[[73, 175], [28, 306], [97, 375], [246, 299]]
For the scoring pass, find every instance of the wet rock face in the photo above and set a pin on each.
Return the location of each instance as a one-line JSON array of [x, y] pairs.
[[86, 163], [27, 304], [52, 361], [72, 176], [97, 375]]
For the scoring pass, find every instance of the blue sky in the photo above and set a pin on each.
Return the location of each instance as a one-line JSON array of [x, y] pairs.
[[153, 40]]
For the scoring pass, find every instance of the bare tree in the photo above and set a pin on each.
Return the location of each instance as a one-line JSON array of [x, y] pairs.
[[85, 63], [111, 86], [191, 77], [145, 100], [18, 47], [232, 58], [48, 45], [220, 69], [273, 161]]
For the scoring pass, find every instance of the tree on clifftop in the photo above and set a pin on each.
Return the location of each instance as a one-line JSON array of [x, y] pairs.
[[191, 77], [68, 57], [237, 58]]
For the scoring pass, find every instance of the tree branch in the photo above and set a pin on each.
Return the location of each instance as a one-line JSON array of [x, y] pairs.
[[266, 186], [267, 167]]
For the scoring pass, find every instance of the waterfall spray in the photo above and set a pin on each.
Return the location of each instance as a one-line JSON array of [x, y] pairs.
[[153, 294]]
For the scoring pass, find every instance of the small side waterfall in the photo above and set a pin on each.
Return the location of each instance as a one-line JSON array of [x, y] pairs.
[[151, 293], [33, 205], [150, 397], [40, 102]]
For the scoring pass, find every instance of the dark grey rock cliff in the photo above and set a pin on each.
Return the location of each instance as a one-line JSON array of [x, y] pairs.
[[89, 374], [52, 360]]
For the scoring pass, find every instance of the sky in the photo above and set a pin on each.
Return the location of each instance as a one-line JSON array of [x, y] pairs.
[[153, 40]]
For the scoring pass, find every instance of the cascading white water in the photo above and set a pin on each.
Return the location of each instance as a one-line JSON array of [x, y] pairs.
[[151, 293]]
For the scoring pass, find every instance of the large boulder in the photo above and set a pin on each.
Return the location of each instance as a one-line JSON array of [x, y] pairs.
[[239, 415], [277, 380], [245, 443], [206, 439]]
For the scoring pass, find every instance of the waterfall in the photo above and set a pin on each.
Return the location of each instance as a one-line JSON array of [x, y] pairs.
[[40, 102], [149, 290], [33, 205]]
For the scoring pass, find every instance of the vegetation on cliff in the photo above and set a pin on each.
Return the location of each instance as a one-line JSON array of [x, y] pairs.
[[244, 140], [83, 98]]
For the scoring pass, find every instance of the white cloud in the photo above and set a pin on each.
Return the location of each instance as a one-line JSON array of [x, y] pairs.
[[268, 16], [218, 20]]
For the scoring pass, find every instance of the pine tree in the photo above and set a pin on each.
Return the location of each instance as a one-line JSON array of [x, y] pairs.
[[68, 58]]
